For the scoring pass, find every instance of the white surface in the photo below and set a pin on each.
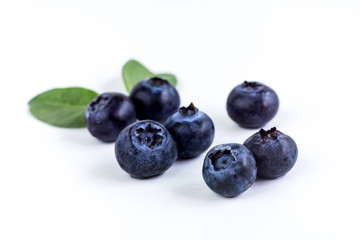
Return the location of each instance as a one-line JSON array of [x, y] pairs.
[[63, 184]]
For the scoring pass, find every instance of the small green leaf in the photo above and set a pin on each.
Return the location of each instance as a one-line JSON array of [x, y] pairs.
[[62, 107], [170, 77], [133, 72]]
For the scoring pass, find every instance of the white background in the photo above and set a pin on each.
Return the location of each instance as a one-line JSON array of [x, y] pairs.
[[63, 184]]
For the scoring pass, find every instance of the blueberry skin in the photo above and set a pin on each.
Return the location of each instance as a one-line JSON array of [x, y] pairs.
[[252, 104], [192, 130], [155, 98], [275, 152], [145, 149], [229, 169], [108, 114]]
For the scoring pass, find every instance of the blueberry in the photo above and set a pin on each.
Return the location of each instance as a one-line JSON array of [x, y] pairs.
[[155, 98], [252, 104], [275, 152], [229, 169], [145, 149], [108, 114], [192, 130]]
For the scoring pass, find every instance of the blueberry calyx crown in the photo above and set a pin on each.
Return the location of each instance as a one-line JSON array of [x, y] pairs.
[[272, 133], [221, 159], [188, 111], [156, 81], [101, 101], [150, 136], [247, 85]]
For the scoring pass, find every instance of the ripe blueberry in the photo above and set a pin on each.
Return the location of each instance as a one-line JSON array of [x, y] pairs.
[[229, 169], [275, 152], [192, 130], [252, 104], [145, 149], [108, 114], [155, 98]]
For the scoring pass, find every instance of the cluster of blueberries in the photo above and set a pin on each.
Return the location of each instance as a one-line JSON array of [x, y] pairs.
[[165, 132]]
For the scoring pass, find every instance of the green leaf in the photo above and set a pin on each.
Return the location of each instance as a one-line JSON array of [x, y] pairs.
[[170, 77], [133, 72], [62, 107]]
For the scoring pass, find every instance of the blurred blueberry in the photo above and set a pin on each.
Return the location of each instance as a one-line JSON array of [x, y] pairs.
[[108, 114], [155, 98]]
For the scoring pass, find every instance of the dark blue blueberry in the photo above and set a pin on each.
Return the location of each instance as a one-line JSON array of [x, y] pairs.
[[229, 169], [252, 104], [155, 98], [108, 114], [145, 149], [275, 152], [192, 130]]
